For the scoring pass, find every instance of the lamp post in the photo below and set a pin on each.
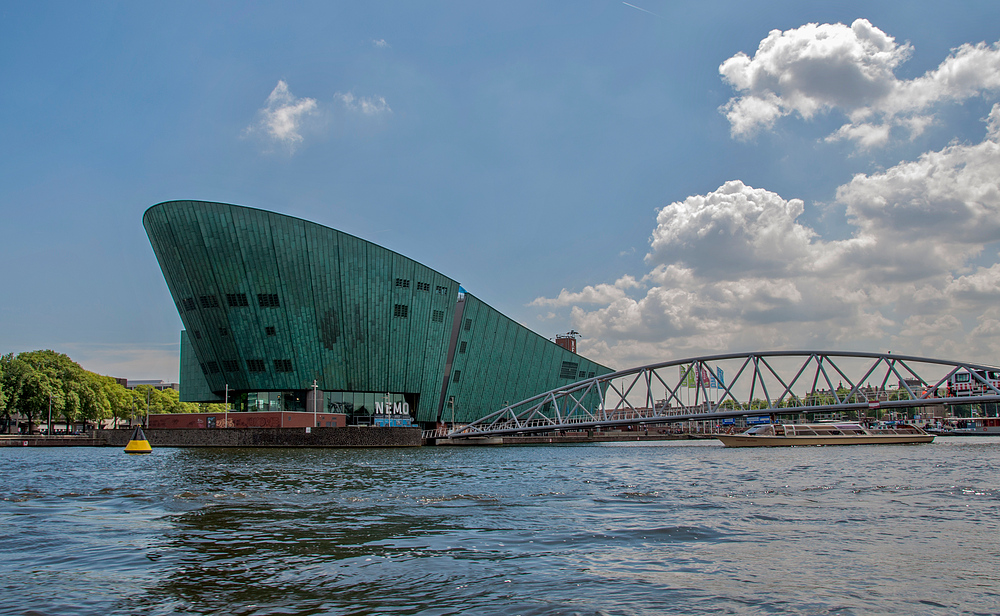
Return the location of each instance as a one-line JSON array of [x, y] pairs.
[[226, 421], [49, 432], [314, 403]]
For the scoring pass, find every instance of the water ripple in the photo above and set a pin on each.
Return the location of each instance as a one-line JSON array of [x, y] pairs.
[[685, 528]]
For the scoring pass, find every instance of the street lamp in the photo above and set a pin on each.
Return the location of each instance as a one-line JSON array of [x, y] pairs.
[[226, 421], [314, 403]]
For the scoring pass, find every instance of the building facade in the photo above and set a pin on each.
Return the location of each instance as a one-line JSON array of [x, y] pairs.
[[281, 314]]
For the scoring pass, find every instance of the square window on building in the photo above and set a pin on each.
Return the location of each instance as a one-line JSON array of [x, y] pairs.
[[438, 316], [223, 331], [255, 365], [282, 365], [403, 283], [237, 300], [441, 290], [590, 375], [230, 365], [197, 334], [401, 311], [209, 301], [270, 331], [461, 347], [213, 367], [468, 324], [458, 374], [568, 370], [189, 304], [423, 286]]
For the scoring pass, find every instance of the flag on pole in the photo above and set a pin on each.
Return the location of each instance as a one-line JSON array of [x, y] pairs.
[[687, 375]]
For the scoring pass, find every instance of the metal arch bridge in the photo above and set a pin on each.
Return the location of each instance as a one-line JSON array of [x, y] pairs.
[[767, 383]]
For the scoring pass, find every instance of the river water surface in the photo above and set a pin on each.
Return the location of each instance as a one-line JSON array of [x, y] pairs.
[[626, 528]]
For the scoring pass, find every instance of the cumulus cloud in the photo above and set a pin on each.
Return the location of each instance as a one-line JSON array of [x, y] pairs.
[[380, 43], [366, 105], [737, 268], [934, 213], [738, 225], [280, 120], [819, 68]]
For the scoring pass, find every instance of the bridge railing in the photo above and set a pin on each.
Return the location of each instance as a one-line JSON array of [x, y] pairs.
[[769, 383]]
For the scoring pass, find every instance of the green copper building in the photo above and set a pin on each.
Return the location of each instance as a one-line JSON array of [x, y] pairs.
[[278, 311]]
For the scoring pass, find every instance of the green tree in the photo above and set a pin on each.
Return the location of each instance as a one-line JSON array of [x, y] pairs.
[[4, 415], [71, 405]]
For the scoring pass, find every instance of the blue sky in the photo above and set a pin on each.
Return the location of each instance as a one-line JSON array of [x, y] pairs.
[[626, 173]]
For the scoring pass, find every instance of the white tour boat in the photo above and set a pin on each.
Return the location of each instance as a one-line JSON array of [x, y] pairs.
[[790, 435]]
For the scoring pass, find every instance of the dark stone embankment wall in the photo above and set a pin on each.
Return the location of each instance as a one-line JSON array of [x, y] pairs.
[[270, 437], [48, 441]]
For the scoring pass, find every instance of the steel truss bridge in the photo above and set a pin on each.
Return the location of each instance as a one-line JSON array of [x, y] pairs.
[[722, 386]]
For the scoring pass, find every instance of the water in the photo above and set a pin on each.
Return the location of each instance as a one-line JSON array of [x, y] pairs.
[[626, 528]]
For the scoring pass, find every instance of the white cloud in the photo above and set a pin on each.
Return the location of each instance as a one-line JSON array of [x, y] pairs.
[[367, 105], [819, 68], [380, 43], [280, 120], [737, 269], [733, 231], [599, 294], [935, 212]]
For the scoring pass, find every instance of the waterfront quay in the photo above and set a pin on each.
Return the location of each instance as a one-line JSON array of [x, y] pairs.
[[351, 436], [231, 437], [37, 440]]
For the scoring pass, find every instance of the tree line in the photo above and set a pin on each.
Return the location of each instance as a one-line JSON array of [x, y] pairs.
[[34, 381]]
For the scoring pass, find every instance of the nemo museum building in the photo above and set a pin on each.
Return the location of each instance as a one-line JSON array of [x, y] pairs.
[[282, 315]]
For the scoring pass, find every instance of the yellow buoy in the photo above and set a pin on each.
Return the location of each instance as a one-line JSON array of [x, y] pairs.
[[138, 442]]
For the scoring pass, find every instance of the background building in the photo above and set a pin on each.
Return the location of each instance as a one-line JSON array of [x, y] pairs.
[[281, 314]]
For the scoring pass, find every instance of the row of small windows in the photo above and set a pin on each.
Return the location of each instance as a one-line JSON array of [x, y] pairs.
[[269, 330], [404, 283], [270, 300], [234, 300], [402, 311], [571, 369], [253, 365]]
